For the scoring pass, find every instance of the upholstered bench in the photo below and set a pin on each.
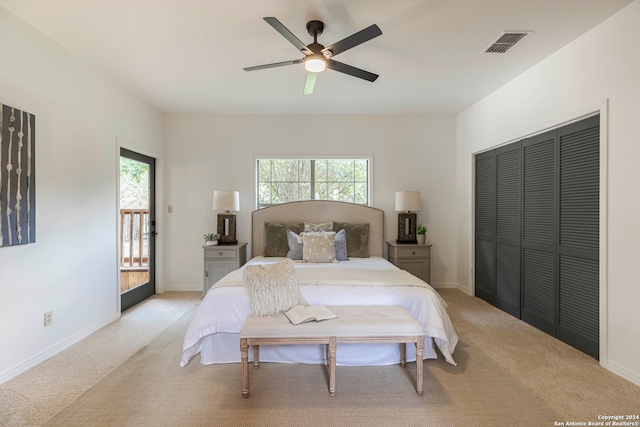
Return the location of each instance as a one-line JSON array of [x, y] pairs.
[[354, 324]]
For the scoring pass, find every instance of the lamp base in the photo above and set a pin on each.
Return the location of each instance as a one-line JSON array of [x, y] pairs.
[[227, 229], [407, 227]]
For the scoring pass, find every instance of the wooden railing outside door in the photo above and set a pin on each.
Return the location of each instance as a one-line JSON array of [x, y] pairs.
[[134, 238]]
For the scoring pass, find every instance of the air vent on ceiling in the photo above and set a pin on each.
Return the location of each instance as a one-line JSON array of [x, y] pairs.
[[505, 41]]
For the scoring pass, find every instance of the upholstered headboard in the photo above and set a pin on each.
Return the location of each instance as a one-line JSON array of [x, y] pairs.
[[317, 211]]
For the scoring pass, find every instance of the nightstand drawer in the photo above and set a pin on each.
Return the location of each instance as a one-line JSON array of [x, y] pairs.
[[415, 252], [220, 253], [410, 252]]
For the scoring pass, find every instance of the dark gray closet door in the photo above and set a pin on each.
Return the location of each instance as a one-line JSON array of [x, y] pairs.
[[508, 201], [497, 227], [578, 239], [485, 227], [539, 231]]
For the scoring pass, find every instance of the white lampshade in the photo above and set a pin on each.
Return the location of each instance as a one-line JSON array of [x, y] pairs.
[[226, 200], [408, 201]]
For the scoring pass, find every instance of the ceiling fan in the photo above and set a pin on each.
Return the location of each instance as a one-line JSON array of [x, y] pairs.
[[317, 57]]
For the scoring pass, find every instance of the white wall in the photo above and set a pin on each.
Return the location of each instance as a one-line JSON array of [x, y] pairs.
[[206, 153], [72, 267], [603, 64]]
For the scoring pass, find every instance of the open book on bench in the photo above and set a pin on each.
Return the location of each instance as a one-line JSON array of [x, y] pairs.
[[302, 313]]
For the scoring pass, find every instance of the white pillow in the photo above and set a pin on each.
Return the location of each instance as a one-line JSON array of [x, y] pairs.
[[273, 288], [323, 226], [319, 247]]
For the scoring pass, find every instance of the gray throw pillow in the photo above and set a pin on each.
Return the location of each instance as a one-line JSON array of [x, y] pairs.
[[341, 245], [275, 237], [295, 245], [357, 238]]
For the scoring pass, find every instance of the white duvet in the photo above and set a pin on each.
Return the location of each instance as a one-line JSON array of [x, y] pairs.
[[215, 326]]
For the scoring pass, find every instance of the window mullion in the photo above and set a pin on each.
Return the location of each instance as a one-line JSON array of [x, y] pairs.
[[313, 179]]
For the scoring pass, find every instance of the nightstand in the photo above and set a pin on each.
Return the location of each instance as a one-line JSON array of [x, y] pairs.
[[416, 259], [220, 260]]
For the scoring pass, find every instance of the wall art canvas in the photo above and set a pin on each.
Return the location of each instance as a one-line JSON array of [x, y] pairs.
[[17, 177]]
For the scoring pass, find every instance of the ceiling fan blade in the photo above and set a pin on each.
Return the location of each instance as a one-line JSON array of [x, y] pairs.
[[309, 83], [352, 71], [277, 25], [275, 64], [352, 41]]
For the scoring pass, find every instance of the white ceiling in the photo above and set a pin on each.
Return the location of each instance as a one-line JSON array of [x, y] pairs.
[[187, 56]]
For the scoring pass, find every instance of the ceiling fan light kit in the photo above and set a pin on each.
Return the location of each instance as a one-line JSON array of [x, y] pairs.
[[317, 57], [315, 63]]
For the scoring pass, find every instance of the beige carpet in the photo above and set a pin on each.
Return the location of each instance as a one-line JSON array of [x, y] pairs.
[[570, 382], [34, 396], [508, 373], [151, 389]]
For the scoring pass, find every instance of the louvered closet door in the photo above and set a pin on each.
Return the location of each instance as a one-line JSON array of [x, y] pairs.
[[485, 227], [539, 212], [578, 275], [537, 224], [508, 189], [497, 226]]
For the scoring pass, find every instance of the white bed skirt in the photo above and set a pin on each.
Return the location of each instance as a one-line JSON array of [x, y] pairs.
[[225, 348], [214, 331]]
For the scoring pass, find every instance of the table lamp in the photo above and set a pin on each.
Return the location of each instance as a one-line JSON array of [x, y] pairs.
[[407, 201], [226, 201]]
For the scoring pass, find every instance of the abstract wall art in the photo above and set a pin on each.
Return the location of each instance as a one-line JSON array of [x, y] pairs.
[[17, 177]]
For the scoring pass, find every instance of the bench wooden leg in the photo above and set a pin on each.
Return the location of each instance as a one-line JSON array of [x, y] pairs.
[[332, 366], [403, 354], [244, 358], [326, 348], [256, 356], [419, 365]]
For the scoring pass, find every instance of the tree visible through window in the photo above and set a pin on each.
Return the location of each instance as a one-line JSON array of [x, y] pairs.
[[289, 180]]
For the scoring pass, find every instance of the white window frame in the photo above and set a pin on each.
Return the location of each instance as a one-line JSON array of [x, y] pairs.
[[367, 157]]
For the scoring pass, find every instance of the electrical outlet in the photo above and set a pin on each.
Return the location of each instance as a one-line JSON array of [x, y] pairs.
[[170, 209], [48, 318]]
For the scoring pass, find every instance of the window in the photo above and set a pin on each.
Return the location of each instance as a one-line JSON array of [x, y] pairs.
[[288, 180]]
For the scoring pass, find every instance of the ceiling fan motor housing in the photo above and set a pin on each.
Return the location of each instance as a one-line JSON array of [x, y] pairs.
[[315, 28]]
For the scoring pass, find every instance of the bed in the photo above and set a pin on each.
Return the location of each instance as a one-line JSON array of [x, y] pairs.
[[360, 280]]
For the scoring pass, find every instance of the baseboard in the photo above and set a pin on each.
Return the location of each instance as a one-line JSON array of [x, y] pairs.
[[183, 288], [623, 372], [444, 285], [53, 350], [454, 285], [464, 289]]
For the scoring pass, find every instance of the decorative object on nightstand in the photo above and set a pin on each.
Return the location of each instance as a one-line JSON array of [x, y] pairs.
[[222, 260], [422, 234], [407, 201], [226, 201], [414, 258], [211, 239]]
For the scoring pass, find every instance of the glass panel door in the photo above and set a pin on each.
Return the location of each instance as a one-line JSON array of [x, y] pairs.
[[137, 227]]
